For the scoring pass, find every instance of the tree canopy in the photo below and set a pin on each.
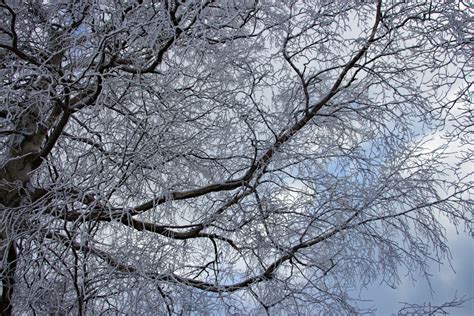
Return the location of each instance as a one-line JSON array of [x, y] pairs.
[[228, 157]]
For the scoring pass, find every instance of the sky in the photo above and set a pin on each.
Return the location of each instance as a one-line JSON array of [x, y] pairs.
[[446, 282]]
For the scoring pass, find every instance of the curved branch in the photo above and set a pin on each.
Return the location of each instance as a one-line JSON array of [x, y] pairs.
[[281, 139]]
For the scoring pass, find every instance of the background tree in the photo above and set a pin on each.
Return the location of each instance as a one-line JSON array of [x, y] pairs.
[[226, 156]]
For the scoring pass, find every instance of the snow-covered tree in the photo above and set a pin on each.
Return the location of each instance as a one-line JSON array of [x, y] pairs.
[[227, 157]]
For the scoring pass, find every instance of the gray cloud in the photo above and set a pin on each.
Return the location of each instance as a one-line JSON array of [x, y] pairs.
[[445, 282]]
